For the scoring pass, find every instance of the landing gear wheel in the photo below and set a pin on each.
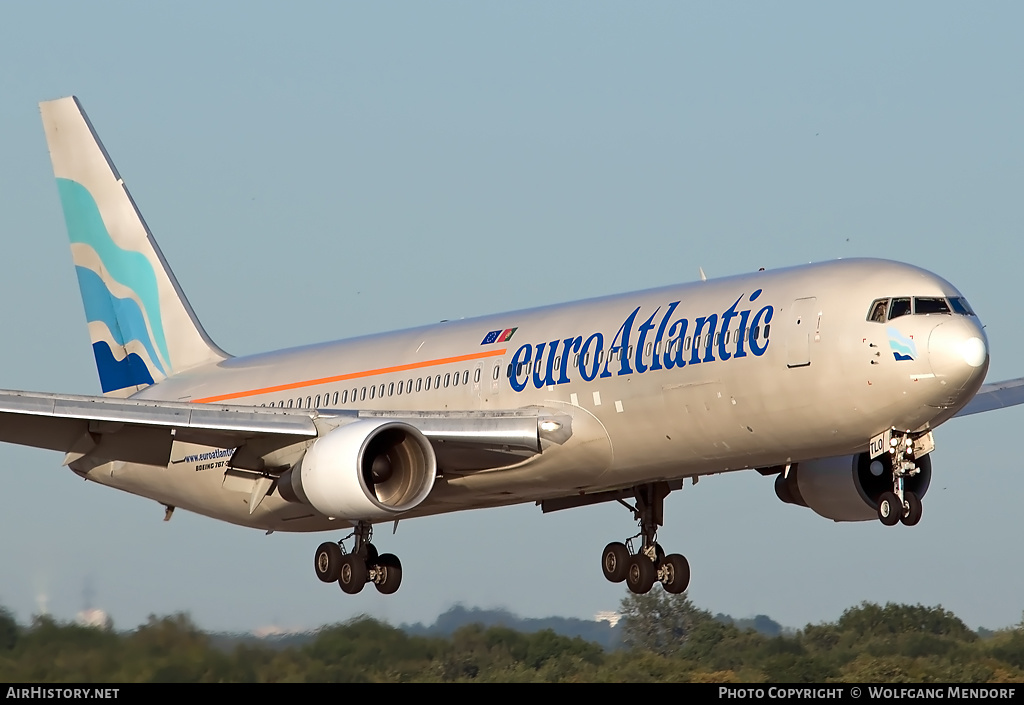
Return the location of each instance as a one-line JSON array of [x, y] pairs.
[[913, 514], [615, 562], [641, 574], [327, 562], [659, 555], [890, 509], [389, 574], [353, 574], [675, 573], [371, 554]]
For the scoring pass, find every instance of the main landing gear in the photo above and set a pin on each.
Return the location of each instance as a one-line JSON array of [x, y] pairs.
[[900, 505], [363, 565], [642, 568]]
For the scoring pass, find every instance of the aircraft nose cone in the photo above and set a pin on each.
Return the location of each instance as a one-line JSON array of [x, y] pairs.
[[958, 354]]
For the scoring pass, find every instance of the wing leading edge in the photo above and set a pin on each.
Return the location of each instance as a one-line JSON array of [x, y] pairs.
[[997, 395], [139, 431]]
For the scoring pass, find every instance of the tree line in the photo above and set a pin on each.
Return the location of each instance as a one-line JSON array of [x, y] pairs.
[[665, 638]]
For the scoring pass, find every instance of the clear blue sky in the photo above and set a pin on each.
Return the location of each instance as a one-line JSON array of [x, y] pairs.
[[316, 171]]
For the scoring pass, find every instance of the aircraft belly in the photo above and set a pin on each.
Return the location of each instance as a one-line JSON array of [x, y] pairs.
[[207, 491]]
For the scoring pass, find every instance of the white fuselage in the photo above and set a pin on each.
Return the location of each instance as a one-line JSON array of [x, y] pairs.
[[795, 370]]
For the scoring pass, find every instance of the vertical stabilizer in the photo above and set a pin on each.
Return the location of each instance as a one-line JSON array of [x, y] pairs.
[[140, 323]]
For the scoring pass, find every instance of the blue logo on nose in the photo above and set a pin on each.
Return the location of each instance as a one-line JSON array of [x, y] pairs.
[[903, 348]]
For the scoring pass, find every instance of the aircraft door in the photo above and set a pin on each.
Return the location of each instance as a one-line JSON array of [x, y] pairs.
[[801, 325], [482, 382]]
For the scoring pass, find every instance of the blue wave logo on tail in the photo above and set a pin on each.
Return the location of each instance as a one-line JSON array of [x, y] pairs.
[[903, 348], [127, 331]]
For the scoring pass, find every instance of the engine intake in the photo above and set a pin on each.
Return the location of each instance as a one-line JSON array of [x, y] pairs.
[[847, 488], [368, 470]]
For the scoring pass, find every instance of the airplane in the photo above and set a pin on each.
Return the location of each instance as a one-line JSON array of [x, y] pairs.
[[831, 377]]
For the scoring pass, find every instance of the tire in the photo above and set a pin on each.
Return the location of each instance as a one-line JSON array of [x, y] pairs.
[[353, 574], [615, 562], [371, 554], [389, 574], [675, 572], [660, 553], [914, 510], [890, 509], [327, 562], [641, 574]]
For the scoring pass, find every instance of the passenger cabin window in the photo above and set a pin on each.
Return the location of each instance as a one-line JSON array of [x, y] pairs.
[[900, 307], [926, 305]]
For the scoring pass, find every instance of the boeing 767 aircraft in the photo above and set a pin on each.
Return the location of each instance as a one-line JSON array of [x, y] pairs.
[[831, 376]]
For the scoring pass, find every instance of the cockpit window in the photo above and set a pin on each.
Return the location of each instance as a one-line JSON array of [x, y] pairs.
[[900, 307], [925, 305], [960, 305], [878, 309], [887, 309]]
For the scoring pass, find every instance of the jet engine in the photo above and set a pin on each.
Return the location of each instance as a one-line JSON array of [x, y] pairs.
[[368, 470], [847, 488]]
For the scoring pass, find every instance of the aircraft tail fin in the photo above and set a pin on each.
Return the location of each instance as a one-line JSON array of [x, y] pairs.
[[142, 327]]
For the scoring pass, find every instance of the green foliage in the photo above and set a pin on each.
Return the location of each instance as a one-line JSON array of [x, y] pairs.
[[9, 631], [661, 622], [670, 640], [871, 620]]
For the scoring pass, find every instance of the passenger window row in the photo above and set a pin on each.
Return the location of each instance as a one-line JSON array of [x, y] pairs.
[[379, 391], [425, 384]]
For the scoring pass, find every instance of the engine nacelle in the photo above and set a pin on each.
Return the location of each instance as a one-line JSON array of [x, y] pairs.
[[847, 488], [369, 470]]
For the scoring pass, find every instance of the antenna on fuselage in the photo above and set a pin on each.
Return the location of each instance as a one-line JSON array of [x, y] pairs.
[[703, 276]]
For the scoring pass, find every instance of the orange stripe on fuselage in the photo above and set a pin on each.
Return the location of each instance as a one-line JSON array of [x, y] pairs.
[[353, 375]]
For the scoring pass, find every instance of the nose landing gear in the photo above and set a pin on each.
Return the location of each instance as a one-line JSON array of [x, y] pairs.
[[352, 571], [901, 504], [648, 564]]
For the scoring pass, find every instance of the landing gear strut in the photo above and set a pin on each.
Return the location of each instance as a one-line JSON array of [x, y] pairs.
[[363, 565], [900, 505], [641, 568]]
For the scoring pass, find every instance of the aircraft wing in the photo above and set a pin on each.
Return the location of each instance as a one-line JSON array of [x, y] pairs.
[[997, 395], [143, 431]]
